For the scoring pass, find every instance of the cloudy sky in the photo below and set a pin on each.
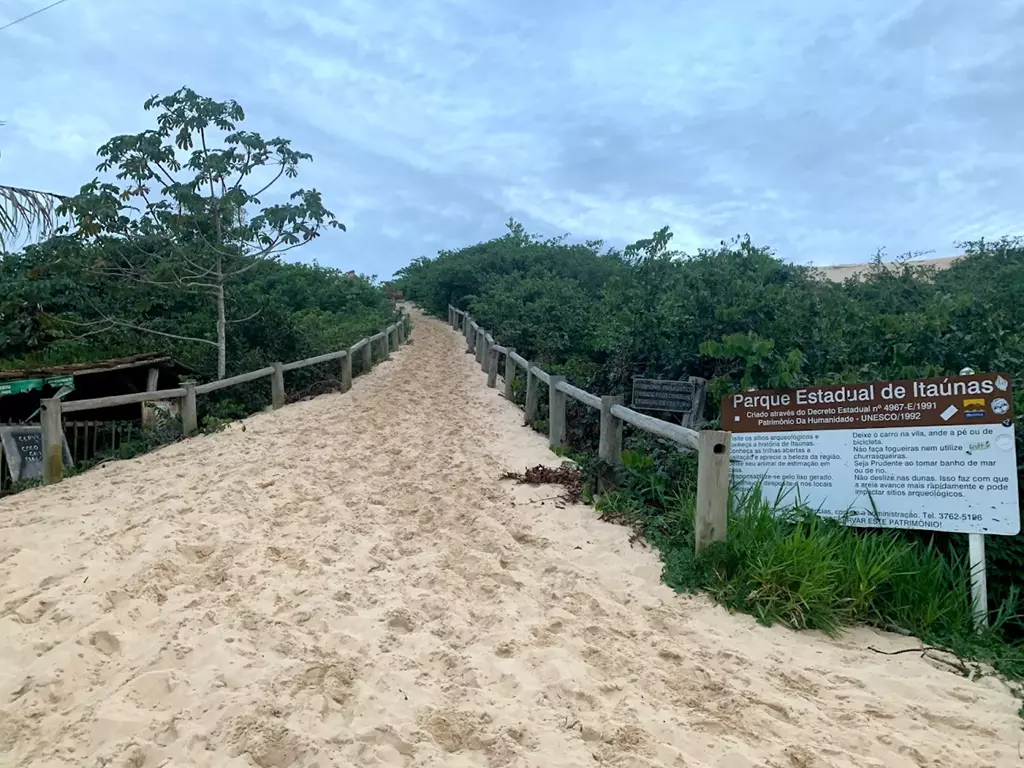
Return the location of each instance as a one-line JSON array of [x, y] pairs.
[[825, 130]]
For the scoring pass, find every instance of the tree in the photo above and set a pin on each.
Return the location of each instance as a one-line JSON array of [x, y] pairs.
[[181, 217], [26, 212]]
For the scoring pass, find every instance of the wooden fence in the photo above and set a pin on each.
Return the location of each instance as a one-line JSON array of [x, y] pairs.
[[52, 410], [712, 446]]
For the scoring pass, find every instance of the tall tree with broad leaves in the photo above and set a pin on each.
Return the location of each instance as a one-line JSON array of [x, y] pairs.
[[186, 211]]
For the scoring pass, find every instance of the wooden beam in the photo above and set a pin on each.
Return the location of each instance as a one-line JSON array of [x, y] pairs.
[[492, 368], [610, 445], [346, 373], [148, 408], [712, 512], [53, 440], [532, 395], [556, 411], [277, 393], [367, 357], [510, 373], [189, 411]]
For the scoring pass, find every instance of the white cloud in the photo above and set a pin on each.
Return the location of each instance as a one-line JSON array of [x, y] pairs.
[[823, 130]]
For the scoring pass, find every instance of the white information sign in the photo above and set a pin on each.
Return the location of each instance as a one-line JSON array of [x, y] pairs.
[[930, 454]]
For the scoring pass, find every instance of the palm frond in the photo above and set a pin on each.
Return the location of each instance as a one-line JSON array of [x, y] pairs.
[[26, 214]]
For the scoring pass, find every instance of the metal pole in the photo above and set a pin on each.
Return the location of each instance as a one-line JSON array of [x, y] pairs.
[[976, 559], [979, 579]]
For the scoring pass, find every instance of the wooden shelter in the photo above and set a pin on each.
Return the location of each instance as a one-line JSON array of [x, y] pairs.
[[21, 390]]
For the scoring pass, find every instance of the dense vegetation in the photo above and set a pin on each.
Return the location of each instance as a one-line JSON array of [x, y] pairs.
[[741, 317], [53, 308]]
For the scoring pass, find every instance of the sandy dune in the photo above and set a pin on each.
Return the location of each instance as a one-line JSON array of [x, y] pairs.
[[346, 583], [837, 273]]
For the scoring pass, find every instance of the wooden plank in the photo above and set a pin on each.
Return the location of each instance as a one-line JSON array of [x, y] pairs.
[[485, 357], [326, 358], [581, 395], [532, 394], [492, 368], [277, 393], [681, 435], [556, 411], [346, 373], [481, 346], [367, 365], [241, 378], [610, 445], [189, 412], [53, 440], [518, 359], [510, 373], [540, 374], [148, 410], [358, 346], [73, 406], [499, 349], [712, 513]]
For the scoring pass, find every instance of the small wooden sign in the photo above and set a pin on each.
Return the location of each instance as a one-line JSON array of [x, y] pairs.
[[673, 395], [23, 449]]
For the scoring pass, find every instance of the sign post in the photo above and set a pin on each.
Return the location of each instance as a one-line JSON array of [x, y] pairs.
[[928, 454]]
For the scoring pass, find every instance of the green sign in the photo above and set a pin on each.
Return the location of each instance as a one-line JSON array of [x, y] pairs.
[[61, 381], [18, 386]]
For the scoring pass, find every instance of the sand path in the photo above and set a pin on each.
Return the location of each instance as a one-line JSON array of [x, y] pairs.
[[345, 582]]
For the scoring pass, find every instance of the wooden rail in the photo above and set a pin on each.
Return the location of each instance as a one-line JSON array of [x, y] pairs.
[[712, 446], [315, 360], [242, 378], [135, 397], [52, 410]]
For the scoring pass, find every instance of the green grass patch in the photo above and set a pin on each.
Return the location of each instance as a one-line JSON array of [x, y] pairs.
[[784, 564]]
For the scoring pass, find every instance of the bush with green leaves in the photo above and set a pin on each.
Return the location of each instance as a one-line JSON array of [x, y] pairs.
[[741, 317]]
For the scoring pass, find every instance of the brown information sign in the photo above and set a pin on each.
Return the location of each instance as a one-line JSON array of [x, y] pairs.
[[929, 454], [939, 402]]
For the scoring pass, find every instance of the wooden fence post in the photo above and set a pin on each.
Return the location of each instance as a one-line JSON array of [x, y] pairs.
[[346, 372], [712, 516], [386, 345], [277, 386], [53, 440], [610, 445], [401, 329], [481, 345], [367, 365], [149, 409], [189, 412], [510, 373], [467, 330], [556, 411], [492, 368], [532, 394], [485, 358]]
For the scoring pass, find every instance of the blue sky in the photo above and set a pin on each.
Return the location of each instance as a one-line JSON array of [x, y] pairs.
[[825, 130]]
